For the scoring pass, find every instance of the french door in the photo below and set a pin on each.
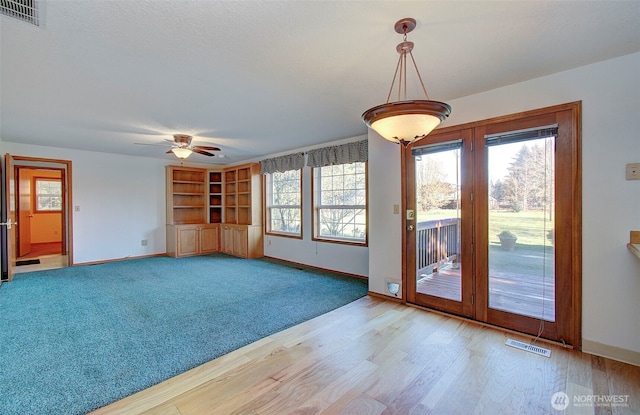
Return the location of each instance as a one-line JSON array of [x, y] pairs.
[[493, 224]]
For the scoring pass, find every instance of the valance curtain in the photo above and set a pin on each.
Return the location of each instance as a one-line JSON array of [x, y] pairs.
[[343, 154], [283, 163]]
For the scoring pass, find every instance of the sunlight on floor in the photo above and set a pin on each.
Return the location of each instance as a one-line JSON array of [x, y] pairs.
[[46, 262]]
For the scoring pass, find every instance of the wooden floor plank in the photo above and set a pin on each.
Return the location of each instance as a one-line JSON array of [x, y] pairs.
[[380, 357]]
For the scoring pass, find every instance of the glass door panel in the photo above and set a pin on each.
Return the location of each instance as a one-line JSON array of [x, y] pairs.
[[438, 263], [521, 227], [438, 242]]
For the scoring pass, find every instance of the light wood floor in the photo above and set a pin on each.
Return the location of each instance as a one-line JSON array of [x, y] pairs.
[[379, 357]]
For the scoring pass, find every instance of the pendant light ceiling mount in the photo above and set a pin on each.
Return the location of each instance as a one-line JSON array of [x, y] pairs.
[[404, 121]]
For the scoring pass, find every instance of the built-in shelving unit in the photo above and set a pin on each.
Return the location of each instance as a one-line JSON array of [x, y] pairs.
[[242, 200], [242, 222], [213, 210], [185, 195], [215, 196]]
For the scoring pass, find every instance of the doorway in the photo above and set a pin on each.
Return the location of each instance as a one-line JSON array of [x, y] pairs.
[[38, 200], [40, 243], [496, 235]]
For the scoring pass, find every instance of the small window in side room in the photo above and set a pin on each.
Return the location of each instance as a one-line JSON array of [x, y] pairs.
[[48, 195]]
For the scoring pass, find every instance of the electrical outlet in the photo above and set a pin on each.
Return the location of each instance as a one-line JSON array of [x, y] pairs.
[[633, 171], [144, 242]]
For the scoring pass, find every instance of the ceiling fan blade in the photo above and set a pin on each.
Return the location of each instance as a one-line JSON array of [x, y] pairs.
[[206, 148], [154, 144], [169, 151], [206, 153]]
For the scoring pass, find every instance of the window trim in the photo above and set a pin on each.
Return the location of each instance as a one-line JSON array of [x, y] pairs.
[[314, 215], [267, 191], [35, 193]]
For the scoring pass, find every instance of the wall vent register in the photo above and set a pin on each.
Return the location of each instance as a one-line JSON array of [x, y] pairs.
[[24, 10]]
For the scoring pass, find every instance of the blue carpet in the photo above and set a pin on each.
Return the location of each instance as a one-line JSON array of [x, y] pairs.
[[76, 339]]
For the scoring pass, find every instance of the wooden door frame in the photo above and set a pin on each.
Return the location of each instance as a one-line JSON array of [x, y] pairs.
[[571, 215], [65, 166]]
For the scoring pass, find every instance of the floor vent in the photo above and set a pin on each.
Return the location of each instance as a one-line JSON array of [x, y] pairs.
[[25, 10], [529, 348]]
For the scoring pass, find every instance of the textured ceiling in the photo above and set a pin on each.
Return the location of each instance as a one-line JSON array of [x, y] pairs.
[[258, 78]]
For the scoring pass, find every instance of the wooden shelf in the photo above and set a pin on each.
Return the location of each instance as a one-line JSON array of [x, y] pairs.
[[242, 195], [215, 197], [186, 195]]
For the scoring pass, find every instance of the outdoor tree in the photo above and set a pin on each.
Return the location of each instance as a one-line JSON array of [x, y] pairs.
[[527, 183], [433, 191], [343, 200], [285, 213]]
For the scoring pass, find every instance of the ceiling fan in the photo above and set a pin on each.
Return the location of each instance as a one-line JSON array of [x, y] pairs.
[[182, 148]]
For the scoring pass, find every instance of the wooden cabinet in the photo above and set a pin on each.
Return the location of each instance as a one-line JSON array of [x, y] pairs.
[[185, 240], [242, 240]]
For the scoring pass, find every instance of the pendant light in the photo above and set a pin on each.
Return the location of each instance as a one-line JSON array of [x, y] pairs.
[[404, 121]]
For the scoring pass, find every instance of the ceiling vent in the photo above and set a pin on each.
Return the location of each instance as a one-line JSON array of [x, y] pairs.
[[25, 10]]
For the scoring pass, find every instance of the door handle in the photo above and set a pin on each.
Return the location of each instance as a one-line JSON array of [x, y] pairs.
[[8, 224], [410, 227]]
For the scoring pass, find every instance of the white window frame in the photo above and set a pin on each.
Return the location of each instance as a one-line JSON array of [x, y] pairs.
[[38, 195], [271, 207], [320, 231]]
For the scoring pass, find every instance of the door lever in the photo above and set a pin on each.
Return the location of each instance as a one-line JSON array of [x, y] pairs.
[[410, 227]]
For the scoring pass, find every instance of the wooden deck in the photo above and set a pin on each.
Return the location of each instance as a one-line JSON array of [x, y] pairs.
[[511, 292]]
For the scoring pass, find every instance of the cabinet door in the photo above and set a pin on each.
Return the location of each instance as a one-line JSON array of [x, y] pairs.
[[240, 242], [209, 237], [187, 240], [227, 240]]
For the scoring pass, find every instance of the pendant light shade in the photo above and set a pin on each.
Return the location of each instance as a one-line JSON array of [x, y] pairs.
[[404, 121]]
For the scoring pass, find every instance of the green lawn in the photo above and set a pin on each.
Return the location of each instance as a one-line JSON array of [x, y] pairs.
[[529, 226], [533, 251]]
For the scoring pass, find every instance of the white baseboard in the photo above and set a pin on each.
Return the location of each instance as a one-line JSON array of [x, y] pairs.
[[611, 352]]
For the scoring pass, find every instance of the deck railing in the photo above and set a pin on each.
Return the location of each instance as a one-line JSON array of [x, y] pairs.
[[437, 242]]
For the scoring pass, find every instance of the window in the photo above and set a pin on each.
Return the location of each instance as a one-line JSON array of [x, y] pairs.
[[48, 195], [340, 202], [284, 212]]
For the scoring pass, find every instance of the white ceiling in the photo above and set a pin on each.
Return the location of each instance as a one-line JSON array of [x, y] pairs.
[[263, 77]]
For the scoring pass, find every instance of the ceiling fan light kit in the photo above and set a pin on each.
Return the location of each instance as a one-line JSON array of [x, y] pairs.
[[404, 121], [182, 148], [181, 153]]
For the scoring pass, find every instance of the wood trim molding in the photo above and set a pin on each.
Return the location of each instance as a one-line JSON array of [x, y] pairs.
[[611, 352]]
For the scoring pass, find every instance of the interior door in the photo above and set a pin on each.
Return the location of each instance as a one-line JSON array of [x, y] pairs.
[[439, 264], [10, 200], [24, 212]]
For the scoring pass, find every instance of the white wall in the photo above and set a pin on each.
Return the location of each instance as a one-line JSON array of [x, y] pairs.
[[337, 257], [121, 200], [610, 95]]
